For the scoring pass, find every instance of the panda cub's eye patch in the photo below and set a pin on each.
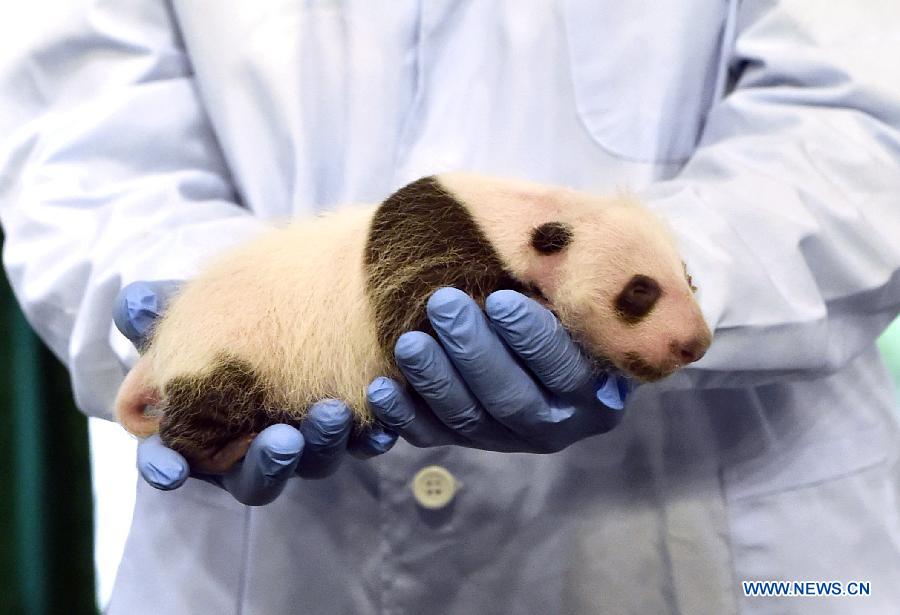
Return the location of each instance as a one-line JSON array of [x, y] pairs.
[[637, 298], [551, 237]]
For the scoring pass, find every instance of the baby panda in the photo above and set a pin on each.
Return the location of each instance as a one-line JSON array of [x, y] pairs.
[[313, 310]]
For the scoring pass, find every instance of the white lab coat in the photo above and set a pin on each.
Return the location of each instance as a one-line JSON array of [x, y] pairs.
[[139, 138]]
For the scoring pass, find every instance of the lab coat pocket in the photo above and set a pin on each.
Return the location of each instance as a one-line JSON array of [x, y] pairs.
[[825, 513], [645, 73]]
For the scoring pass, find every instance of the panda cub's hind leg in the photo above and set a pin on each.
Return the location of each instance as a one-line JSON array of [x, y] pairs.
[[212, 418], [135, 395]]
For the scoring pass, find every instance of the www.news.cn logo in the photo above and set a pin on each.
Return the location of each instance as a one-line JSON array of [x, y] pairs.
[[806, 588]]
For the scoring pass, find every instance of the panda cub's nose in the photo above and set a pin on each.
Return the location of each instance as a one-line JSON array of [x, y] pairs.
[[688, 351]]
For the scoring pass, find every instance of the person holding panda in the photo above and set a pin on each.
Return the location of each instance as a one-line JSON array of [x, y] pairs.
[[141, 138]]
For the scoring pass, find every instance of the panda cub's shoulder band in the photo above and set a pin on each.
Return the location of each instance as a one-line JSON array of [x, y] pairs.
[[422, 238]]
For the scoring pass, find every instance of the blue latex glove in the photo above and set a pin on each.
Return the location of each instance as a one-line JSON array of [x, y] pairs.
[[509, 381], [276, 454]]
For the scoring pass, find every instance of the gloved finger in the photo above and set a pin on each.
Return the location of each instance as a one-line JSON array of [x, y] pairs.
[[400, 412], [159, 465], [270, 461], [371, 442], [326, 430], [490, 370], [138, 305], [613, 390], [538, 338], [430, 372]]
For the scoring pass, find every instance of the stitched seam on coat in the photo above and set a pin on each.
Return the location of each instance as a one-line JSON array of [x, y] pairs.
[[245, 562]]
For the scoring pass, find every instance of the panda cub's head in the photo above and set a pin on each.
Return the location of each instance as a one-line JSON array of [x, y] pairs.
[[607, 267]]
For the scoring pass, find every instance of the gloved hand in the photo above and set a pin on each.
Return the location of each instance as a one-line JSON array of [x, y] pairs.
[[509, 381], [276, 454]]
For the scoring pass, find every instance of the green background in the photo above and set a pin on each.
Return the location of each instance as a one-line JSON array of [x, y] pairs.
[[46, 561], [46, 525]]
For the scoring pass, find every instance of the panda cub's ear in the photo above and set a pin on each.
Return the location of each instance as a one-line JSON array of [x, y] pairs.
[[551, 237]]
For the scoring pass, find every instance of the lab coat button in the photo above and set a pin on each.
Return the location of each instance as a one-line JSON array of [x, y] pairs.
[[434, 487]]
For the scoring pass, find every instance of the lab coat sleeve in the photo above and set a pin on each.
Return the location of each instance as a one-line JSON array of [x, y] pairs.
[[788, 213], [109, 173]]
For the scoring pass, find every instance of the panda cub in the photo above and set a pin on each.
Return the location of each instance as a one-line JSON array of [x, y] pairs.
[[313, 310]]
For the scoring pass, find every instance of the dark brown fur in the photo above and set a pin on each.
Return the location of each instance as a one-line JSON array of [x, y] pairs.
[[200, 415], [637, 299], [551, 237], [639, 367], [421, 239]]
